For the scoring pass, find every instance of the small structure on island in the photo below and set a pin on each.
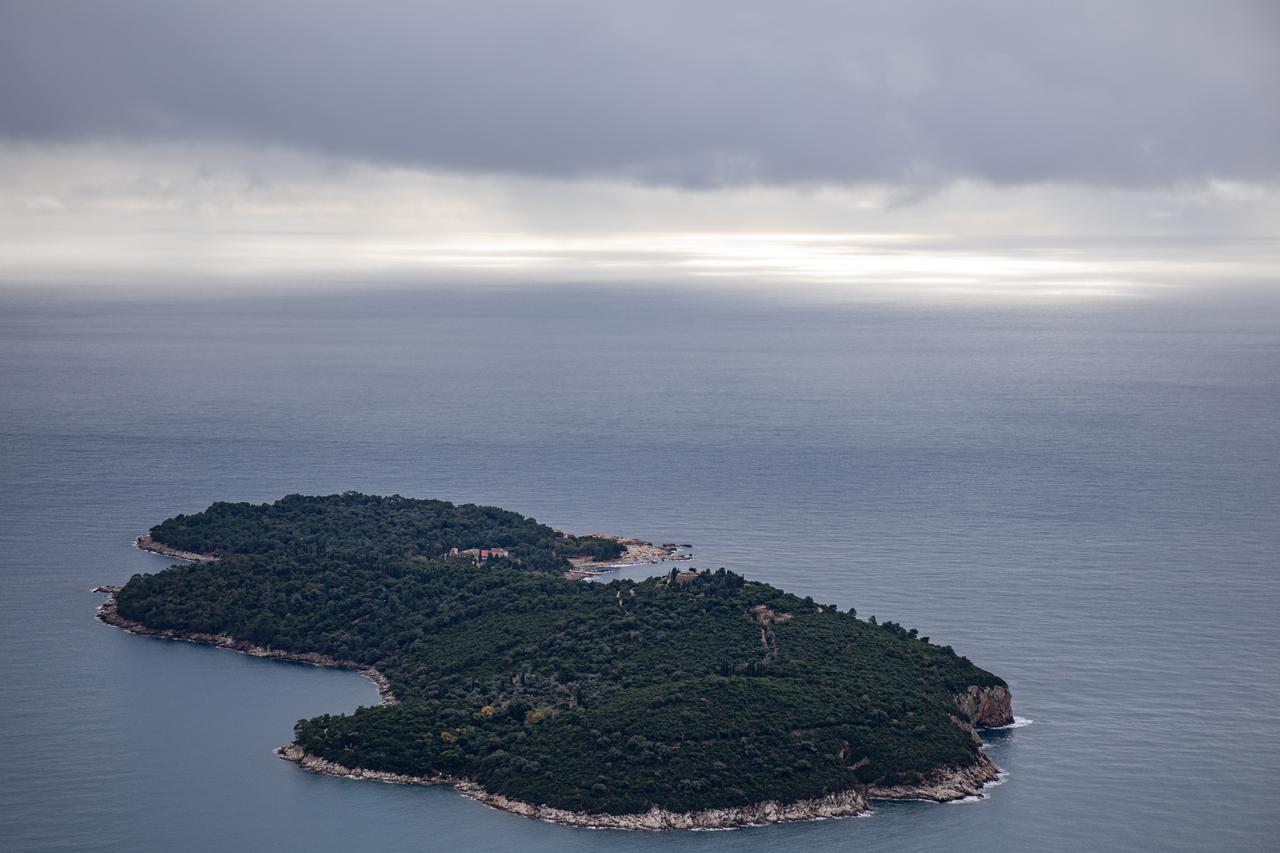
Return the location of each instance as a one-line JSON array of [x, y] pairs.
[[479, 555], [678, 578]]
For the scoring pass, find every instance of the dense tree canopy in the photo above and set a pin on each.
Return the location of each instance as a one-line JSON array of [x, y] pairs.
[[358, 526], [691, 690]]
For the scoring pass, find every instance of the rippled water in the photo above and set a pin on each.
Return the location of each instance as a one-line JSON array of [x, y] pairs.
[[1082, 498]]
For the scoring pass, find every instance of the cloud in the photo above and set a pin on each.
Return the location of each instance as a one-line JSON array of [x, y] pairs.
[[710, 94], [192, 217]]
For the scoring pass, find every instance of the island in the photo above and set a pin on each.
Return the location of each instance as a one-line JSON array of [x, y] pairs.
[[694, 699]]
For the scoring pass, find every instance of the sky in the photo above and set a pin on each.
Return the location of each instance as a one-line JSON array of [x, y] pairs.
[[1039, 148]]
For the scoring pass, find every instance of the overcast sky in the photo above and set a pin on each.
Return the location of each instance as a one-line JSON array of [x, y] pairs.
[[132, 131]]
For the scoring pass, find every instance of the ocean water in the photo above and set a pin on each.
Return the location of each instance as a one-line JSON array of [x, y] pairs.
[[1083, 497]]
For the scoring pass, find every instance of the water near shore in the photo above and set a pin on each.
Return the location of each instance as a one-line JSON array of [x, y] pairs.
[[1081, 498]]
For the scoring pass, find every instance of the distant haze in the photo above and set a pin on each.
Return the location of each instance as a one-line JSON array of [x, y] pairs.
[[128, 128]]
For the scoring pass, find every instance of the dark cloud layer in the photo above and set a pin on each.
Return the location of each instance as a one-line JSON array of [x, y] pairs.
[[1126, 94]]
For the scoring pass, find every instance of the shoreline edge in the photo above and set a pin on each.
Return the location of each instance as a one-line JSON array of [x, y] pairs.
[[986, 707]]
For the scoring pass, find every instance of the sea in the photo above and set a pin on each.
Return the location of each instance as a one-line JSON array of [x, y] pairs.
[[1081, 494]]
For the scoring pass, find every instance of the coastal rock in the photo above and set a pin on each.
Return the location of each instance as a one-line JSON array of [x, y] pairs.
[[986, 707], [110, 614], [638, 551], [842, 804], [953, 783], [146, 543], [942, 786]]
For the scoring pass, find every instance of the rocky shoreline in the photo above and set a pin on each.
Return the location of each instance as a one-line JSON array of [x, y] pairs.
[[110, 615], [638, 551], [146, 543], [942, 786], [844, 804], [980, 706]]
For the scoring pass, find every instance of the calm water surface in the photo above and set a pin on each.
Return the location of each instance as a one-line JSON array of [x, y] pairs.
[[1082, 498]]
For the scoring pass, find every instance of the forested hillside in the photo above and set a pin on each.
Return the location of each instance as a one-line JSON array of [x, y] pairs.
[[687, 691], [361, 526]]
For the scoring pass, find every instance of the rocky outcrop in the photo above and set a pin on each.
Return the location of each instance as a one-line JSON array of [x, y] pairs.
[[843, 804], [637, 551], [985, 707], [110, 614], [981, 707], [942, 786], [146, 543]]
